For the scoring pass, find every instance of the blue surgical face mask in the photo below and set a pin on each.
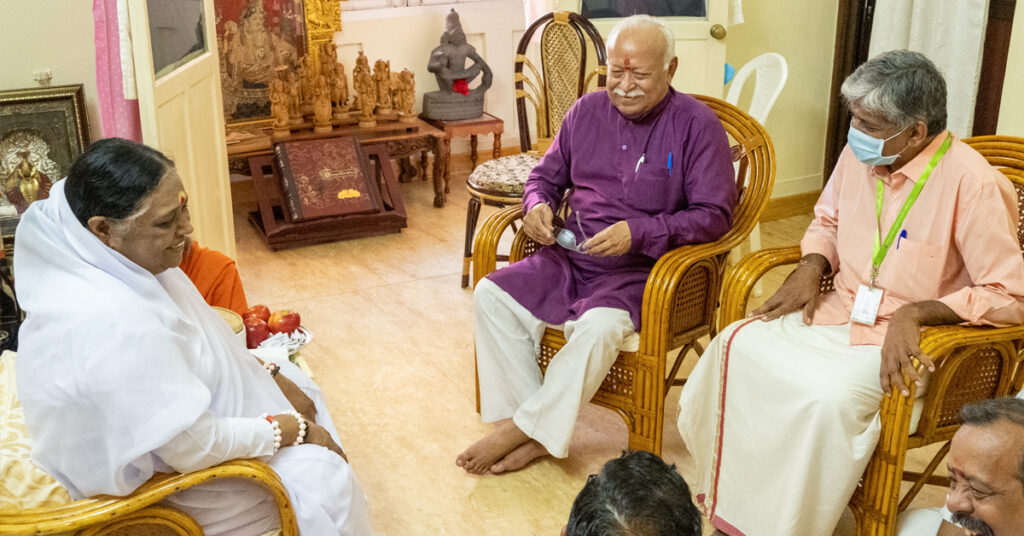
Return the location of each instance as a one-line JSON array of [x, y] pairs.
[[868, 149]]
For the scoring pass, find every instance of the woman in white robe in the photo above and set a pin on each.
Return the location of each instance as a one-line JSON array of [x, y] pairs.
[[124, 371]]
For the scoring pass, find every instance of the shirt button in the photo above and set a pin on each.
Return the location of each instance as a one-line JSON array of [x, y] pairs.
[[623, 147]]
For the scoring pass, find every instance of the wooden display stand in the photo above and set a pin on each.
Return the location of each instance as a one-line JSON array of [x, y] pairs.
[[278, 233]]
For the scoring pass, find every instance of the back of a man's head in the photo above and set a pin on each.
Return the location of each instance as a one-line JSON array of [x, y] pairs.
[[636, 494]]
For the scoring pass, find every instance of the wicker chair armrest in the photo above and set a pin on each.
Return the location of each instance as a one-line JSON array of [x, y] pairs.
[[485, 245], [740, 280], [105, 508], [669, 274], [939, 343]]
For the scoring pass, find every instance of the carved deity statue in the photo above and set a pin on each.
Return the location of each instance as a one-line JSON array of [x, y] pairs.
[[362, 81], [340, 92], [279, 104], [405, 96], [382, 78], [454, 99], [294, 100], [321, 105]]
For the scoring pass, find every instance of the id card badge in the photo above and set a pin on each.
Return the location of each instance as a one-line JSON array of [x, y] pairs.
[[865, 306]]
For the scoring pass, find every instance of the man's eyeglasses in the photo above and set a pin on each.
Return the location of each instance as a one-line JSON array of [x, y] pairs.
[[565, 238]]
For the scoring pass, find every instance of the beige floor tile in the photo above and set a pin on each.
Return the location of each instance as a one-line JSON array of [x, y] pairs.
[[393, 351]]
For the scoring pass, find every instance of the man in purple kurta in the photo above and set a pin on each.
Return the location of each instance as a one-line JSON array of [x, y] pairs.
[[648, 169]]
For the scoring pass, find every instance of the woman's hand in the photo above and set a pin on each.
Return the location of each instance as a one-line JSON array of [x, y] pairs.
[[298, 399], [315, 434]]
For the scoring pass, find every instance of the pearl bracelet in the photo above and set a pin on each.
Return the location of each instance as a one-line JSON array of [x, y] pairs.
[[277, 430], [301, 438], [272, 368]]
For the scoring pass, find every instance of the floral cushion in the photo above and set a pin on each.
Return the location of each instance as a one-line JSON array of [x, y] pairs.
[[22, 484], [505, 175]]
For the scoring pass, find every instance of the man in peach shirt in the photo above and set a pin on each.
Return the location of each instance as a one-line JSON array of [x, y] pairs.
[[780, 416]]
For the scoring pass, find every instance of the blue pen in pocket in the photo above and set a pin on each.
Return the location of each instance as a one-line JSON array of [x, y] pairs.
[[669, 164], [903, 234]]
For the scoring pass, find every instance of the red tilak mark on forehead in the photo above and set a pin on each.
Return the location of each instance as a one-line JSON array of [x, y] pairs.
[[182, 198], [626, 63]]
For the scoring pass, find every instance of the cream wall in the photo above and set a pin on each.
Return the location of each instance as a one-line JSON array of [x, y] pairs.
[[50, 34], [803, 31], [1011, 109], [407, 35]]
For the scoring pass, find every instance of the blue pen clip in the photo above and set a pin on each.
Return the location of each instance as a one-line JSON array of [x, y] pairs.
[[903, 234], [669, 164]]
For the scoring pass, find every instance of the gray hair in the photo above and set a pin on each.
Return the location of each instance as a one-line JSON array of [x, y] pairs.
[[645, 22], [901, 86], [994, 410]]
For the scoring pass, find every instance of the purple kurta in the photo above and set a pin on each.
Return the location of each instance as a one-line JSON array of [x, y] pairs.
[[596, 153]]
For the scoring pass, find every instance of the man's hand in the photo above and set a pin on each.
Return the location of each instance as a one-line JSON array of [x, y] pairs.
[[538, 224], [302, 403], [902, 340], [800, 290], [613, 241]]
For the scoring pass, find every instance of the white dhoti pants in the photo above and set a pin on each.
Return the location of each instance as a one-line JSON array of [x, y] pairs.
[[322, 488], [780, 420], [511, 385]]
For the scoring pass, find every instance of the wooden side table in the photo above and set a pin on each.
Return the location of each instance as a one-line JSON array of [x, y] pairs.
[[484, 124]]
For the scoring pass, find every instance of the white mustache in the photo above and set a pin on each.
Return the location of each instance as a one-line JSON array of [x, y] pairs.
[[634, 93]]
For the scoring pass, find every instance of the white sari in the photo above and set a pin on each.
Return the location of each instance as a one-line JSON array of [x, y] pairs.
[[118, 369]]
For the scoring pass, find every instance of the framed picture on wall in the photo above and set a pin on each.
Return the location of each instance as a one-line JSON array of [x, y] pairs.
[[254, 37], [42, 131]]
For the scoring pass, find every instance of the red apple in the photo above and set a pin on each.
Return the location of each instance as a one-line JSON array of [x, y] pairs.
[[258, 311], [256, 331], [285, 321]]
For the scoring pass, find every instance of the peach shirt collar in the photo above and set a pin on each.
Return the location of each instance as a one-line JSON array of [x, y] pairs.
[[913, 169]]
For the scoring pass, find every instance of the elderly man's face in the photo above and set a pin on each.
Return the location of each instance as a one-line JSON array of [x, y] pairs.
[[637, 76], [985, 491]]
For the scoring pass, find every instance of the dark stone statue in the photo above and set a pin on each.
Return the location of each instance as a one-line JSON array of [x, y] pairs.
[[454, 99]]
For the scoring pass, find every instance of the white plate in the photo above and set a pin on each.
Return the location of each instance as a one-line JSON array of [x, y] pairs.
[[294, 342]]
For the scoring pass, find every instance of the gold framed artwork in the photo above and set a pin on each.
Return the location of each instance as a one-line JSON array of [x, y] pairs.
[[254, 37], [42, 131]]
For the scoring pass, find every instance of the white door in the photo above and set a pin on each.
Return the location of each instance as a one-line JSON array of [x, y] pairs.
[[177, 71], [701, 55]]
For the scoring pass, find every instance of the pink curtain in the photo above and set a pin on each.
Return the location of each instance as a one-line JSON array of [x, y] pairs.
[[119, 116]]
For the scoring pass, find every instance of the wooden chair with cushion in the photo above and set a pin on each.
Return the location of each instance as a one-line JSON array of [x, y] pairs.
[[31, 502], [563, 78], [971, 364], [681, 295]]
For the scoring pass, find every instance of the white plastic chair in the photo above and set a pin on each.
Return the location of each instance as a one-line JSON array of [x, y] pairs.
[[771, 71]]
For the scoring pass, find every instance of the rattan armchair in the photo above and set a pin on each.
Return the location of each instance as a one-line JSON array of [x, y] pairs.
[[972, 363], [566, 73], [140, 513], [681, 295]]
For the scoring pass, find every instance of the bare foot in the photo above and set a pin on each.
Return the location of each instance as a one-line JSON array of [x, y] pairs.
[[480, 456], [519, 457]]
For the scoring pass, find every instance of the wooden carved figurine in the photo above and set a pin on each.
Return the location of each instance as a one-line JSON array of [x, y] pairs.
[[362, 80], [405, 96], [279, 103], [307, 76], [321, 105], [340, 93], [382, 79], [362, 64], [294, 100]]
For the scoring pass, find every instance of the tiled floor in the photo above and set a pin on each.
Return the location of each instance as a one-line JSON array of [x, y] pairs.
[[393, 351]]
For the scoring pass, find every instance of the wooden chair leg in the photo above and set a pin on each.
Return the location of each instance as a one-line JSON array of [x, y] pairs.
[[472, 214]]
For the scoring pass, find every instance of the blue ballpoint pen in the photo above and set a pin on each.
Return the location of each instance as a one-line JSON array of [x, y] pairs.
[[669, 164]]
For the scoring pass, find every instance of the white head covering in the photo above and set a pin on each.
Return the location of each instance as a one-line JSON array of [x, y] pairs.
[[113, 361]]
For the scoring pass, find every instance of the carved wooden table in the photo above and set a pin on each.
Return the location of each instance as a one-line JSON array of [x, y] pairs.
[[484, 124], [403, 141]]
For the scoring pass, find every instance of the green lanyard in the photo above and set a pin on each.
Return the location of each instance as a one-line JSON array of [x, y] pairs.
[[882, 248]]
